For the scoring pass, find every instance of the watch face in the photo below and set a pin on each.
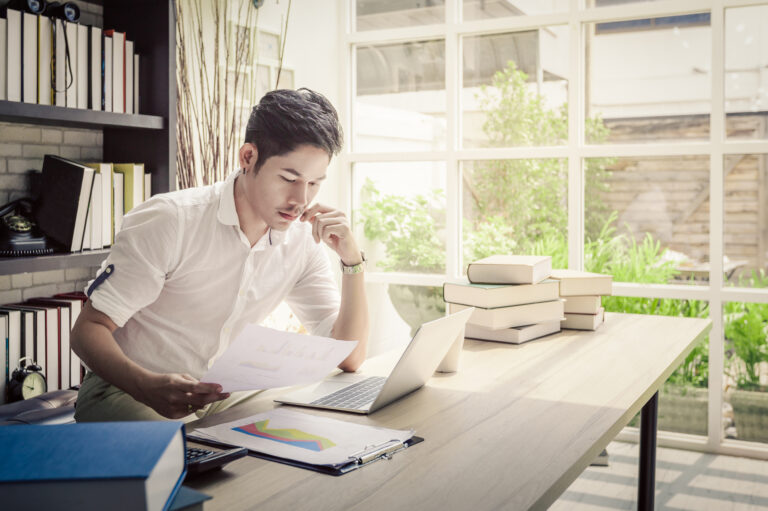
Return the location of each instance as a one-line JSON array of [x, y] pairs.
[[33, 385]]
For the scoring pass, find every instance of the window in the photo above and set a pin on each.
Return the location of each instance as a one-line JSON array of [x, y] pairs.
[[632, 144]]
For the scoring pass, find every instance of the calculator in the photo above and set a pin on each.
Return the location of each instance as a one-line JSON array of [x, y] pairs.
[[200, 460]]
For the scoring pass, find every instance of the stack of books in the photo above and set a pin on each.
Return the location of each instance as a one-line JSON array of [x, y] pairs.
[[82, 204], [583, 292], [39, 329], [514, 299], [49, 61]]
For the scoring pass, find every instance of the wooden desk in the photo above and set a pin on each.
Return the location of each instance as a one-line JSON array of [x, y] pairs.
[[512, 429]]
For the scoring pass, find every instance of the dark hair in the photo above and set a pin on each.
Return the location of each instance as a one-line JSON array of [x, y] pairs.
[[285, 119]]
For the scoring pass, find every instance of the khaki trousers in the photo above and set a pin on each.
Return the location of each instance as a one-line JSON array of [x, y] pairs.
[[100, 401]]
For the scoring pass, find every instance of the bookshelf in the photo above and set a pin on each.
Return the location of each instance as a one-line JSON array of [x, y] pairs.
[[148, 137]]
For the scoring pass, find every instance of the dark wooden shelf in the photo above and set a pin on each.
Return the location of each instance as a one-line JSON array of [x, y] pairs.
[[14, 111], [11, 265]]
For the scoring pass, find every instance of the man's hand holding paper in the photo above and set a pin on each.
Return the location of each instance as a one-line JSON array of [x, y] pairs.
[[263, 358]]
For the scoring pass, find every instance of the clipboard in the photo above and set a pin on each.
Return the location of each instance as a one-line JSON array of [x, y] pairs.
[[359, 459]]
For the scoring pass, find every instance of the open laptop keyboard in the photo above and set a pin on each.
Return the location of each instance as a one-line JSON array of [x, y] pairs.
[[353, 396]]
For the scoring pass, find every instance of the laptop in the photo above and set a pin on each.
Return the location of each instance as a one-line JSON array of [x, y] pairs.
[[356, 393]]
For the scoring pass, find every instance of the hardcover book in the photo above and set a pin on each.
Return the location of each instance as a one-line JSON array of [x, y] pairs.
[[589, 304], [499, 295], [516, 335], [576, 283], [65, 193], [517, 315], [510, 269], [583, 321], [92, 466]]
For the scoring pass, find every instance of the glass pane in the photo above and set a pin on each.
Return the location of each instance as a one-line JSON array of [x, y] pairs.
[[400, 97], [399, 214], [375, 14], [515, 207], [400, 310], [269, 46], [746, 369], [514, 89], [683, 399], [745, 226], [649, 84], [263, 84], [647, 218], [285, 79], [489, 9], [746, 72]]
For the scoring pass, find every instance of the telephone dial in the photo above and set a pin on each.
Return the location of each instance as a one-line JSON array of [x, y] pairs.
[[19, 235]]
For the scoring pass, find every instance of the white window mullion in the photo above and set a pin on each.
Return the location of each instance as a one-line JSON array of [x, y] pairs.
[[717, 135], [452, 115], [576, 113]]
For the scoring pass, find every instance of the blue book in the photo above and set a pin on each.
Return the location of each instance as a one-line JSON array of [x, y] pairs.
[[92, 466]]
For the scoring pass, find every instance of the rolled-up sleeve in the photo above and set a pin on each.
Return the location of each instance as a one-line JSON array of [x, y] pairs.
[[141, 256], [315, 299]]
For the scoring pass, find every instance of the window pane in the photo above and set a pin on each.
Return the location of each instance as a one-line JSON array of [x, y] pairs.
[[400, 97], [746, 72], [375, 14], [400, 310], [683, 399], [647, 218], [485, 9], [399, 214], [746, 369], [514, 89], [649, 85], [515, 207], [745, 229]]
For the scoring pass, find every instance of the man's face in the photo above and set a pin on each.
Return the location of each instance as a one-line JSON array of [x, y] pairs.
[[285, 185]]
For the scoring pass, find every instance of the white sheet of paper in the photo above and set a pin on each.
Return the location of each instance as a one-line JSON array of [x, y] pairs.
[[263, 358], [303, 437]]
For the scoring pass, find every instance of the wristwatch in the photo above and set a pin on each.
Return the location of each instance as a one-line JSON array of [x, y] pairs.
[[355, 268]]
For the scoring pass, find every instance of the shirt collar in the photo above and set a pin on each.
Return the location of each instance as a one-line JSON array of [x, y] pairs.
[[227, 213]]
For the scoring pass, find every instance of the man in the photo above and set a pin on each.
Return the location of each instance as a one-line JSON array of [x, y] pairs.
[[191, 268]]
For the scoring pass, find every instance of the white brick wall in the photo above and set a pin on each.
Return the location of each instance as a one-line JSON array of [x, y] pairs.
[[21, 153]]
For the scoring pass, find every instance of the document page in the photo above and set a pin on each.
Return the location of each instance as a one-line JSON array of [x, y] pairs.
[[304, 437], [263, 358]]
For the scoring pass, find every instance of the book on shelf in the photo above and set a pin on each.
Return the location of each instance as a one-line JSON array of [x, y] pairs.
[[3, 61], [118, 204], [70, 36], [128, 77], [45, 48], [106, 73], [76, 301], [583, 321], [499, 295], [94, 68], [118, 70], [516, 315], [69, 310], [515, 335], [11, 345], [105, 171], [92, 466], [510, 269], [13, 47], [589, 304], [82, 66], [133, 184], [29, 57], [65, 193], [96, 213], [46, 328], [136, 84], [576, 283], [147, 186], [62, 69], [4, 366]]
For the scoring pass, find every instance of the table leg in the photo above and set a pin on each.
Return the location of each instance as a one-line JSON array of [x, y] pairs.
[[647, 484]]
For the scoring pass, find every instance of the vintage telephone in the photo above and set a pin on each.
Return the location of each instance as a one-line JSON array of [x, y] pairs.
[[19, 235]]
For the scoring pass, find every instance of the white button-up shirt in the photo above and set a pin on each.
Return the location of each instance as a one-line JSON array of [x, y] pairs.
[[186, 280]]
